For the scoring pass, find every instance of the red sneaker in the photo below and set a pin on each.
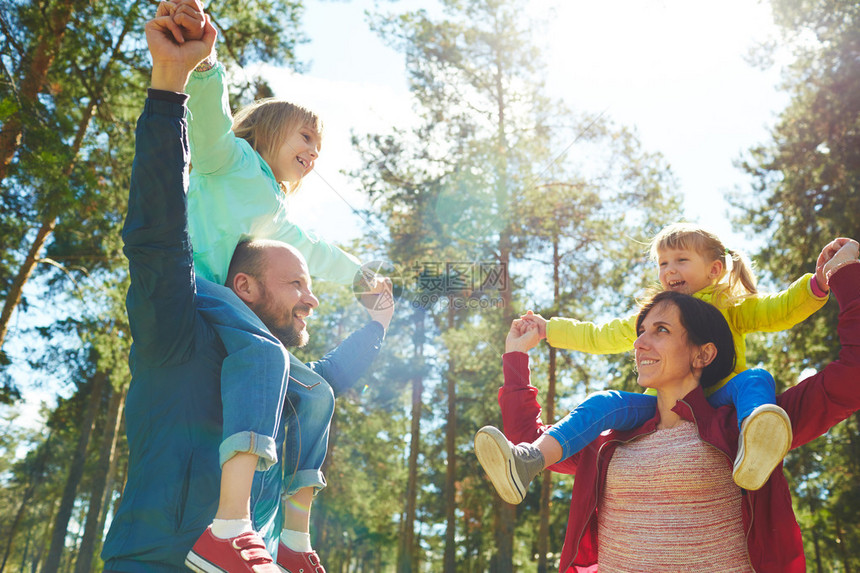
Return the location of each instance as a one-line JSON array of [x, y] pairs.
[[247, 552], [292, 562]]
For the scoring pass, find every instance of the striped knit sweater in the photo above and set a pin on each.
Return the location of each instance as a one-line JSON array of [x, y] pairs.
[[659, 486]]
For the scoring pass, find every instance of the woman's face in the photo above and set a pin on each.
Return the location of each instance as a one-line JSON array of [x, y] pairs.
[[663, 353]]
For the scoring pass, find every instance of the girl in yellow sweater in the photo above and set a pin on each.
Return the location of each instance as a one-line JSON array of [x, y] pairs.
[[694, 261]]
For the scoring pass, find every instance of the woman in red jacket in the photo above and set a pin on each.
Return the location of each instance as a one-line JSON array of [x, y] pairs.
[[661, 497]]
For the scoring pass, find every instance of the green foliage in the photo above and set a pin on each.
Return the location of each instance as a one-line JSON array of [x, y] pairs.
[[805, 194], [73, 163], [354, 517], [806, 177], [258, 30], [67, 179]]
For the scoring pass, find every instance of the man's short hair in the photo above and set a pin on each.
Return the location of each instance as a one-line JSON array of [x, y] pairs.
[[248, 258]]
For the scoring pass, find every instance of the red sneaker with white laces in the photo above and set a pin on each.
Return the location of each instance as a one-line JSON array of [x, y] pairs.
[[294, 562], [244, 553]]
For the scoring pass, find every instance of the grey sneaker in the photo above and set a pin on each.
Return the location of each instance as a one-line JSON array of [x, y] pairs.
[[510, 468], [765, 439]]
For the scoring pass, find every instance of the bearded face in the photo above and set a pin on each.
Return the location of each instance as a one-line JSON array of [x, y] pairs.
[[285, 321]]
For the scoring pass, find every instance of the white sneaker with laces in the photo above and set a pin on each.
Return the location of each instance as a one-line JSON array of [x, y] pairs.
[[510, 468]]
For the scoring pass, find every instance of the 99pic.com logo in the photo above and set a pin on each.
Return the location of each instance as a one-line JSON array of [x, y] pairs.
[[461, 285]]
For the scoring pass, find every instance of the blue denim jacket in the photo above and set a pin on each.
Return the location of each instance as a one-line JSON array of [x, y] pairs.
[[173, 408]]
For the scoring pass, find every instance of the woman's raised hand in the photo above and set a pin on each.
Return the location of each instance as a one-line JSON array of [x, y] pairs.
[[522, 337], [531, 318]]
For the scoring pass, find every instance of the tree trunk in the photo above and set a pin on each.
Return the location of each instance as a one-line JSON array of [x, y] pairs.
[[49, 221], [118, 487], [35, 479], [76, 550], [813, 509], [546, 484], [816, 544], [840, 541], [505, 514], [348, 558], [23, 275], [549, 408], [504, 520], [450, 558], [58, 538], [92, 534], [111, 482], [46, 534], [407, 557], [25, 554], [320, 529], [13, 529], [43, 54]]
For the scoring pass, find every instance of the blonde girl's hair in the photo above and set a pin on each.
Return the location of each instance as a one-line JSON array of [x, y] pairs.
[[266, 124], [736, 281]]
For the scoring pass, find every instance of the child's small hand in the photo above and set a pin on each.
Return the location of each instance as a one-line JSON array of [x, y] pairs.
[[172, 57], [187, 15], [378, 284], [370, 282], [531, 318], [379, 302], [522, 336]]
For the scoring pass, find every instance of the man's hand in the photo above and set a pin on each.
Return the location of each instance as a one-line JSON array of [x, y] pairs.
[[380, 302], [173, 58], [522, 337]]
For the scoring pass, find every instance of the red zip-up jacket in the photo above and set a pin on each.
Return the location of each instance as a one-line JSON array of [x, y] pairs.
[[773, 536]]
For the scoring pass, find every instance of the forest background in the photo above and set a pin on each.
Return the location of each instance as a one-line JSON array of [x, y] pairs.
[[494, 197]]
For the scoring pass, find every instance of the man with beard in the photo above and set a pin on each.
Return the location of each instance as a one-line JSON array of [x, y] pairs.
[[179, 413], [272, 279]]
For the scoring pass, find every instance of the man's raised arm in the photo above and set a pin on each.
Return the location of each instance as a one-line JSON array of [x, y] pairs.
[[344, 365], [155, 234]]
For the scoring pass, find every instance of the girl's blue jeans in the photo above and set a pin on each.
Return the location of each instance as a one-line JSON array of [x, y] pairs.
[[307, 419], [613, 410], [253, 375], [268, 406], [303, 443]]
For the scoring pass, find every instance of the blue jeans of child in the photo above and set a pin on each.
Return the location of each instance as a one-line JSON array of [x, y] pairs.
[[307, 419], [613, 410], [303, 443], [253, 375]]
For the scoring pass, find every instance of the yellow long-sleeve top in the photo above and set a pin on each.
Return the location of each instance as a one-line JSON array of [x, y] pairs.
[[758, 313]]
